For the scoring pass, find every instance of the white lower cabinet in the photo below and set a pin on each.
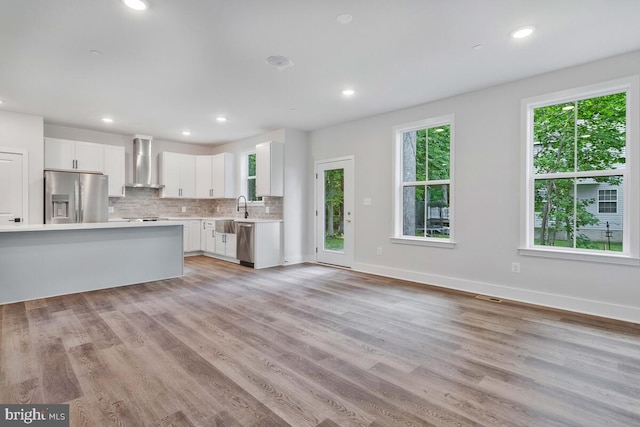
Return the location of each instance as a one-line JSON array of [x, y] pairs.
[[267, 246], [225, 244], [191, 234], [208, 236]]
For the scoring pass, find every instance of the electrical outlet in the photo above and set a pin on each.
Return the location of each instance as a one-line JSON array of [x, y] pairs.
[[266, 209], [184, 209], [111, 209], [379, 251], [515, 267]]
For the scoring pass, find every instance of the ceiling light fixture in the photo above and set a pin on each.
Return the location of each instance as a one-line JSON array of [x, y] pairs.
[[221, 119], [136, 4], [348, 92], [522, 32], [0, 101], [186, 132], [280, 62], [477, 47], [95, 52], [107, 119]]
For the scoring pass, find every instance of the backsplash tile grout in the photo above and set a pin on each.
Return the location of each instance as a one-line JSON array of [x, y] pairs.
[[141, 202]]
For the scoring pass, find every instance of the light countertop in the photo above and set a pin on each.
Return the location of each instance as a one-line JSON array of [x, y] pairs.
[[87, 226]]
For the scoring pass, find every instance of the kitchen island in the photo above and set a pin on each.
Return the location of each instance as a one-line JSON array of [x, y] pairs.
[[38, 261]]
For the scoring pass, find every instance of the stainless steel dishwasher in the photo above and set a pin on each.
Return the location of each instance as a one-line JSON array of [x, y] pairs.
[[245, 235]]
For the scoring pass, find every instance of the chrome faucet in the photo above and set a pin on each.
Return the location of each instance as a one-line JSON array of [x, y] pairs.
[[246, 214]]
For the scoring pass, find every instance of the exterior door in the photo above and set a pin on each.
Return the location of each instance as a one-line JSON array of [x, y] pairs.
[[335, 219], [11, 189]]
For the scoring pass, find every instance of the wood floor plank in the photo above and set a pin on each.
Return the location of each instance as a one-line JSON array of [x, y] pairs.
[[309, 345]]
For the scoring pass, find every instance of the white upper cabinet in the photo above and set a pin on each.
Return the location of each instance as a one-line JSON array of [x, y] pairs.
[[214, 177], [114, 164], [270, 169], [204, 181], [223, 177], [73, 155], [177, 172]]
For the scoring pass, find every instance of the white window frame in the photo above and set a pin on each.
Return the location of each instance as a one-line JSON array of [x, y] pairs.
[[398, 237], [630, 174], [611, 191], [244, 178]]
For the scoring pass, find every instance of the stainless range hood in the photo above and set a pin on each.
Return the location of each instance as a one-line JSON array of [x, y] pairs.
[[142, 163]]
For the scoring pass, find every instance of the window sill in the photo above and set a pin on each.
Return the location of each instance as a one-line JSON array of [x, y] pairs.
[[418, 241], [606, 258]]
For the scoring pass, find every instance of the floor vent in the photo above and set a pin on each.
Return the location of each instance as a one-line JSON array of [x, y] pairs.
[[488, 298]]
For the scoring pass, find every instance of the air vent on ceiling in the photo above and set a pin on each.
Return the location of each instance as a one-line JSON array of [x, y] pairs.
[[280, 62]]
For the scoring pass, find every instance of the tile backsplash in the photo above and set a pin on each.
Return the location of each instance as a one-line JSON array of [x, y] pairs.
[[141, 202]]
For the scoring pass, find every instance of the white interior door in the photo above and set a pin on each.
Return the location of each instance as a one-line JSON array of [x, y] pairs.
[[11, 189], [335, 219]]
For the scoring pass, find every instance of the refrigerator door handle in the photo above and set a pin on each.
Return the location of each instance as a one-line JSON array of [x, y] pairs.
[[76, 198], [81, 203]]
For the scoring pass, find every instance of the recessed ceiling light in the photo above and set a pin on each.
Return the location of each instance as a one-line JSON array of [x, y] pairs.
[[522, 32], [95, 52], [136, 4], [348, 92], [344, 19], [0, 101], [221, 119], [107, 119], [186, 132], [477, 47], [568, 107]]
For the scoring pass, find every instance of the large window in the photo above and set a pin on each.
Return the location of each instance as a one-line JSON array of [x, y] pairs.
[[578, 171], [423, 211]]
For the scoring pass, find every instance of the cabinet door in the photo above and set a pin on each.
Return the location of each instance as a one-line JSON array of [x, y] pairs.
[[203, 236], [169, 174], [194, 235], [230, 249], [217, 176], [270, 169], [59, 153], [203, 177], [89, 157], [220, 245], [114, 159], [188, 176], [211, 241]]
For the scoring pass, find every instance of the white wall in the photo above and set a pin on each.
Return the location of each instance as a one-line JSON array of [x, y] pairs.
[[487, 184], [157, 146], [24, 132]]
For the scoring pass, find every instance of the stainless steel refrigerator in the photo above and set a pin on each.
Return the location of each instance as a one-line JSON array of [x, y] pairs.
[[71, 197]]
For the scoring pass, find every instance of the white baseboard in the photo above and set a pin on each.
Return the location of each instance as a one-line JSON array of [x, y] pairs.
[[596, 308], [298, 259]]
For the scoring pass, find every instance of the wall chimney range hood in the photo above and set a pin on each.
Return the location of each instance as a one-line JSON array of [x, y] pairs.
[[142, 163]]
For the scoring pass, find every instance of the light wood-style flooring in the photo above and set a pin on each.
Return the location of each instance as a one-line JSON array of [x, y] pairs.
[[310, 345]]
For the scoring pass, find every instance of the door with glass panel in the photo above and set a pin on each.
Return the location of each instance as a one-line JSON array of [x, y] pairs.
[[335, 219]]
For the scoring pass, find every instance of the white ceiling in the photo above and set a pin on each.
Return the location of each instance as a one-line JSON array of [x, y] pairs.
[[183, 62]]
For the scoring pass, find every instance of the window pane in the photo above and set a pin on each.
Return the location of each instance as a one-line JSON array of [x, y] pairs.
[[554, 138], [414, 153], [437, 216], [413, 211], [568, 217], [601, 132], [554, 212], [252, 164], [599, 229], [251, 190], [438, 140], [334, 210]]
